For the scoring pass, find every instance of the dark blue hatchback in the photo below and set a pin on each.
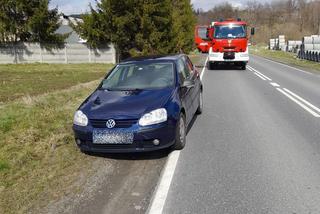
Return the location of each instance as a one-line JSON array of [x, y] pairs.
[[143, 104]]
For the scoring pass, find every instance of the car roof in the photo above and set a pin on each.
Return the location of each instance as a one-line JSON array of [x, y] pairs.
[[153, 57]]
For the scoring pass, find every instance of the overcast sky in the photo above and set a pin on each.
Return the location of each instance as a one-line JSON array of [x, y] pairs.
[[80, 6]]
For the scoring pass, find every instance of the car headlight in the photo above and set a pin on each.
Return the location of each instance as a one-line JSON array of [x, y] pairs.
[[154, 117], [80, 119]]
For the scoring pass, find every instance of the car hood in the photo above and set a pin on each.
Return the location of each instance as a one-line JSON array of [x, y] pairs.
[[103, 104]]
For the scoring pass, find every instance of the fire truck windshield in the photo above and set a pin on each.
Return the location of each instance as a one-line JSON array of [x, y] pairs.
[[229, 31]]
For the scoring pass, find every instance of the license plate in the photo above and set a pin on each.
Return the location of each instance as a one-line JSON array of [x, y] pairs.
[[112, 137]]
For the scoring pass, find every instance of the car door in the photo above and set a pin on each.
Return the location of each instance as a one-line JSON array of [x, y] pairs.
[[186, 93], [193, 75]]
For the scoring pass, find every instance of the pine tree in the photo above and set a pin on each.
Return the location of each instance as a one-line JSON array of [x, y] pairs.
[[140, 27], [28, 21], [184, 22], [154, 35]]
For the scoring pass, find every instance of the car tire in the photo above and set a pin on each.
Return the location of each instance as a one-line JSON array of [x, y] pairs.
[[181, 130], [211, 65], [200, 106], [86, 152], [244, 66]]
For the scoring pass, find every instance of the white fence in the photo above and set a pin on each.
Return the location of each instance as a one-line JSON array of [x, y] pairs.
[[70, 53]]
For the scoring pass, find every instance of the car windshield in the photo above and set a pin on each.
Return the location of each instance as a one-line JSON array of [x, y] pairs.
[[140, 76], [229, 31], [202, 33]]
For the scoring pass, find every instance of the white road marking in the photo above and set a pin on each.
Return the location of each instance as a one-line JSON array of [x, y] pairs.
[[286, 65], [274, 84], [250, 69], [204, 68], [259, 76], [159, 199], [303, 100], [299, 103], [162, 190]]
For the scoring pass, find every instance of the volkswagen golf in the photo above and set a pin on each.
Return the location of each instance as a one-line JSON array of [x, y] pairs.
[[143, 104]]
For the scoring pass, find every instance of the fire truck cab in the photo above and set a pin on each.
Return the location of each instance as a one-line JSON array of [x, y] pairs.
[[229, 43]]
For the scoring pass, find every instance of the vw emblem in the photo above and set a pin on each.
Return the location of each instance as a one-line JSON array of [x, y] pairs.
[[229, 41], [110, 124]]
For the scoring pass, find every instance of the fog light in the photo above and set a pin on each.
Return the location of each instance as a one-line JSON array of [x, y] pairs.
[[78, 142], [156, 142]]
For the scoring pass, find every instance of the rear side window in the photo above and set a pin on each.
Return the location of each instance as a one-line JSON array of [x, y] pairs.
[[189, 64], [183, 69]]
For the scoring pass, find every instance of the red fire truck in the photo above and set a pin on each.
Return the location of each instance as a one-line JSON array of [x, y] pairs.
[[201, 39], [229, 43]]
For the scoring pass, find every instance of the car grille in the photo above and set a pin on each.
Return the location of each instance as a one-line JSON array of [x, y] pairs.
[[119, 123]]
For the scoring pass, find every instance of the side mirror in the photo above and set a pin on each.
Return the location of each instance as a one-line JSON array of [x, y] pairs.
[[253, 31], [188, 84]]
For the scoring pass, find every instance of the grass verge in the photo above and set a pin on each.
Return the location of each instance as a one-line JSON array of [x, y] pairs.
[[33, 79], [285, 57], [39, 161]]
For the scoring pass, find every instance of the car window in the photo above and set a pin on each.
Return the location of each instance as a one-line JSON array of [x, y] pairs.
[[184, 69], [181, 69], [189, 64], [187, 68]]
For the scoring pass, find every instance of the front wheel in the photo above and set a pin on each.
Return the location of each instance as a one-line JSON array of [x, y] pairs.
[[244, 66], [180, 140], [211, 65]]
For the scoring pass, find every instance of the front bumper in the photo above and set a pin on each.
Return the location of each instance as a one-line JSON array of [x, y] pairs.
[[142, 141], [219, 57]]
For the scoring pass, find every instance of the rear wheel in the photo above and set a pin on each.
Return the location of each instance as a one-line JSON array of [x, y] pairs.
[[180, 141]]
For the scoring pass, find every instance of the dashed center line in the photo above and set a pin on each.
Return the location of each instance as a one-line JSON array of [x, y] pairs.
[[274, 84], [259, 76], [312, 109], [264, 76]]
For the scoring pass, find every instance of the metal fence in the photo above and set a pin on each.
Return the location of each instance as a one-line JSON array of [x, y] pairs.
[[70, 53]]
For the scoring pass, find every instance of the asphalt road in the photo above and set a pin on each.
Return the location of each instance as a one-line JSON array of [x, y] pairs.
[[255, 148]]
